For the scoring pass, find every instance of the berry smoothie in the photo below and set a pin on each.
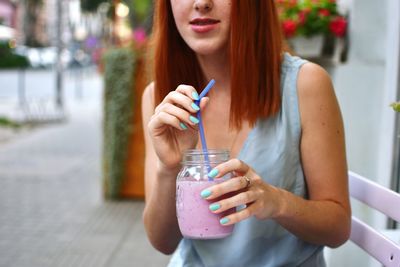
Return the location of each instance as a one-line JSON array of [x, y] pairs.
[[194, 216]]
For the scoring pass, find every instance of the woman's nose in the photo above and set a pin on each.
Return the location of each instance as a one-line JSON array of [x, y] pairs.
[[203, 5]]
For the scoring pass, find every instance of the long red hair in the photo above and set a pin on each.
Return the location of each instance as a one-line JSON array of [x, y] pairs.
[[255, 58]]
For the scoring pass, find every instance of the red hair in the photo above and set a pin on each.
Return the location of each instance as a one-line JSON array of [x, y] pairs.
[[255, 42]]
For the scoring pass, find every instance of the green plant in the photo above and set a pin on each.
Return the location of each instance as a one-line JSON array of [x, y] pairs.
[[5, 122], [118, 113], [396, 106], [311, 17], [9, 59], [91, 5]]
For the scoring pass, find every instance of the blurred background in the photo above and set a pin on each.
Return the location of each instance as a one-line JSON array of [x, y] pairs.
[[71, 140]]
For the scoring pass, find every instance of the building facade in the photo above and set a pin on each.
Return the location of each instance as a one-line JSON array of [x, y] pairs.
[[8, 13]]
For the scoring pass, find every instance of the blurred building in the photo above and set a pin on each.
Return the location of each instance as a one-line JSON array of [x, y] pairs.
[[8, 13], [50, 9], [34, 21]]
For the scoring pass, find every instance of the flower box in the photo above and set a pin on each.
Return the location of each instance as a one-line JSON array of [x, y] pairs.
[[303, 19], [307, 47]]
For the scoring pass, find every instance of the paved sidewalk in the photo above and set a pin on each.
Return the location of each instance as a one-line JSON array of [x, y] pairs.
[[51, 209]]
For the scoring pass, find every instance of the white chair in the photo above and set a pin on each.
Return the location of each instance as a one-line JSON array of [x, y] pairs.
[[369, 239]]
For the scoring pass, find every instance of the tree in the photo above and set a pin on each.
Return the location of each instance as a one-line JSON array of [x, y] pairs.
[[91, 5], [139, 14], [32, 12]]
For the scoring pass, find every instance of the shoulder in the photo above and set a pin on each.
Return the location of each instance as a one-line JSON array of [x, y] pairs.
[[313, 80], [148, 95], [317, 99], [148, 101]]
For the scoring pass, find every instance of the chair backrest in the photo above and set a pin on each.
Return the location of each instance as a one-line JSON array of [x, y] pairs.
[[386, 201]]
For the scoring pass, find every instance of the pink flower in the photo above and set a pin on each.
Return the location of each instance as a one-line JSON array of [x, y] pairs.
[[139, 35], [289, 27], [338, 26], [303, 16]]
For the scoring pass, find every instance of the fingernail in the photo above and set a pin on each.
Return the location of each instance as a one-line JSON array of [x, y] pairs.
[[194, 119], [215, 206], [213, 173], [195, 107], [195, 95], [205, 193], [183, 126], [224, 221]]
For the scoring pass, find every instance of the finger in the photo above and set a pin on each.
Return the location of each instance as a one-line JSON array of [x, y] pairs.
[[230, 185], [204, 102], [164, 118], [242, 198], [180, 113], [178, 99], [233, 165], [240, 215], [189, 91]]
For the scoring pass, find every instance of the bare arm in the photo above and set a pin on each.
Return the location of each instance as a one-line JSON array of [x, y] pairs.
[[325, 217], [159, 215], [169, 131]]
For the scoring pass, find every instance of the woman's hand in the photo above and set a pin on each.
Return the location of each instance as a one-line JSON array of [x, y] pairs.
[[173, 127], [261, 199]]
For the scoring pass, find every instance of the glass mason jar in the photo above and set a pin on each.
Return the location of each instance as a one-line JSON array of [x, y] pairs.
[[195, 219]]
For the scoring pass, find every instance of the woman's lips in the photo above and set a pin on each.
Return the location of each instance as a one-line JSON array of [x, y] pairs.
[[203, 25]]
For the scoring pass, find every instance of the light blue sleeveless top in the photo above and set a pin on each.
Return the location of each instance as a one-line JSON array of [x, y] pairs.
[[272, 150]]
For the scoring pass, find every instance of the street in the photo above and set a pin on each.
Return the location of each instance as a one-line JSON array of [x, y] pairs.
[[52, 212], [32, 92]]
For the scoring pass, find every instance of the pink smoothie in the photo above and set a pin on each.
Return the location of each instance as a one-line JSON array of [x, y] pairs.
[[194, 216]]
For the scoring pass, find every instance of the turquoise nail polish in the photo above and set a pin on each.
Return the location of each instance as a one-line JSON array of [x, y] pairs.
[[205, 193], [195, 95], [215, 206], [193, 119], [183, 126], [224, 221], [213, 173], [195, 107]]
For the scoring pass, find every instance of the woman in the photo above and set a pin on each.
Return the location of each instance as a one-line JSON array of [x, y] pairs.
[[276, 113]]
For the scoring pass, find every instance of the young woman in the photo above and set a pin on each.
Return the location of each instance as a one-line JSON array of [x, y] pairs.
[[276, 113]]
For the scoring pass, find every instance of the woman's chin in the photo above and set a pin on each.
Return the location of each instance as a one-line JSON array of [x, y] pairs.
[[207, 50]]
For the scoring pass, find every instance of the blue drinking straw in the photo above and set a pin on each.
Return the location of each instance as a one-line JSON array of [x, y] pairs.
[[201, 127], [206, 89]]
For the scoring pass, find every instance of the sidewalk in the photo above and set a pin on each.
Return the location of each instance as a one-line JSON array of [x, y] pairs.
[[51, 209]]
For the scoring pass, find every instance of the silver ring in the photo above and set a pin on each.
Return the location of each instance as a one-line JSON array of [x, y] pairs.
[[248, 181]]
